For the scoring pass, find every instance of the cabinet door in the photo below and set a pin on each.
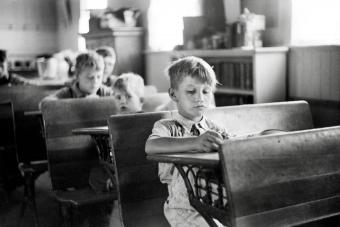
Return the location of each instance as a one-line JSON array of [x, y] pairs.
[[128, 44]]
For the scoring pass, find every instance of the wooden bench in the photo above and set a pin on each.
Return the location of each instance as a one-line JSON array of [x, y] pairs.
[[283, 180], [138, 182], [70, 157]]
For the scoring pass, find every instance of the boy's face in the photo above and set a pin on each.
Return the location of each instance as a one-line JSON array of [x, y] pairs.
[[193, 97], [109, 66], [90, 80], [127, 101]]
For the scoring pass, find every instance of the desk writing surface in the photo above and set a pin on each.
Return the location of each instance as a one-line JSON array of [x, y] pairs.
[[206, 159], [101, 130], [33, 113]]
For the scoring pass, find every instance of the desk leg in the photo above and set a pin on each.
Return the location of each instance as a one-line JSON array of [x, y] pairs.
[[103, 147], [206, 192]]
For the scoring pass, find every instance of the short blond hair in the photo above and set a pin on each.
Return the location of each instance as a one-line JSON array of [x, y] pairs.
[[191, 66], [130, 81]]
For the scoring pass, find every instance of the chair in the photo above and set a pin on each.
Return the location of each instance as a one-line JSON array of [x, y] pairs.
[[70, 157], [8, 162], [140, 193], [28, 165], [31, 156]]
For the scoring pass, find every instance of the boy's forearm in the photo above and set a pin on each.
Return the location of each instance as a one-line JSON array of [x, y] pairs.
[[170, 145]]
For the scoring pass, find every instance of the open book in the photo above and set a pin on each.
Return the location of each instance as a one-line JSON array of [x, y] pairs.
[[260, 133]]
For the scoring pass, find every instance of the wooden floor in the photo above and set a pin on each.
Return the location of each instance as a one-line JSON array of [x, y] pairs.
[[47, 209]]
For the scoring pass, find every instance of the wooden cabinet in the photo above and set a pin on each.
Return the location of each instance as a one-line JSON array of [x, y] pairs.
[[128, 43], [245, 76]]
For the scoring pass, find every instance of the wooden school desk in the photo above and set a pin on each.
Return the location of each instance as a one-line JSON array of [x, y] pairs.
[[101, 137], [204, 182]]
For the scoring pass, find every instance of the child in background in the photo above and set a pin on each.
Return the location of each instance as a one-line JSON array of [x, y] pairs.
[[109, 56], [192, 83], [89, 70], [128, 91]]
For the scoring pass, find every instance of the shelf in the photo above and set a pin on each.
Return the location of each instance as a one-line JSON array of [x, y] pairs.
[[234, 91]]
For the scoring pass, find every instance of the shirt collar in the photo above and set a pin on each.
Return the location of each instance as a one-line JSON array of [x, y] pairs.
[[187, 124]]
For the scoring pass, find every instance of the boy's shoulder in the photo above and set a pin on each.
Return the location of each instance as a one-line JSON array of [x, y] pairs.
[[167, 122]]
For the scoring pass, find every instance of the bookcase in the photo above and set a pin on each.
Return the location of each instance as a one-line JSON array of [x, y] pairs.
[[246, 76]]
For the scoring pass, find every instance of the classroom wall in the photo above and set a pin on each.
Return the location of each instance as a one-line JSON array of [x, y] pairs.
[[67, 24], [27, 27], [314, 76]]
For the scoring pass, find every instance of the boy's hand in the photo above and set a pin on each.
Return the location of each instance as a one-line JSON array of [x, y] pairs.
[[208, 141]]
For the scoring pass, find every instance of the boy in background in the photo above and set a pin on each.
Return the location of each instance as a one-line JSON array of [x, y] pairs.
[[192, 83], [128, 91], [89, 70], [109, 55]]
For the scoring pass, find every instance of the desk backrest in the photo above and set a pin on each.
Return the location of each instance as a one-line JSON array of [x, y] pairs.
[[7, 126], [284, 179], [70, 157], [140, 193], [244, 119]]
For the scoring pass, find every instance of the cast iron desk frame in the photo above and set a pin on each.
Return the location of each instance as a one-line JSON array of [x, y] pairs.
[[201, 166]]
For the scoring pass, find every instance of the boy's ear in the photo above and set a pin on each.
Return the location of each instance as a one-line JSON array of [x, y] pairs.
[[172, 94], [141, 99]]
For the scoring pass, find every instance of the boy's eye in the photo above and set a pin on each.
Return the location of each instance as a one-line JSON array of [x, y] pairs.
[[118, 97], [190, 91]]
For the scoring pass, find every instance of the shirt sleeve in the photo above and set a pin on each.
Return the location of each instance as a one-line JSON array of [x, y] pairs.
[[160, 130]]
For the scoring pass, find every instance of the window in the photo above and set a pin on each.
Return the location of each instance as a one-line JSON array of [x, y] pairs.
[[315, 22], [165, 18]]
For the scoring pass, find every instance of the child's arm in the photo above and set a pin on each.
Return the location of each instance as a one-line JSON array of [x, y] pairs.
[[207, 142]]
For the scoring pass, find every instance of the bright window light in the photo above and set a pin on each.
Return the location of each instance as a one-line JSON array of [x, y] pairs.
[[166, 22], [94, 4], [315, 22]]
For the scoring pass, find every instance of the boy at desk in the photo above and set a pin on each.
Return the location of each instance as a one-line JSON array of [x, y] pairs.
[[192, 83], [89, 70]]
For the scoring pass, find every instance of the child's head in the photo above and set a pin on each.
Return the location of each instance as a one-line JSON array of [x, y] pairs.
[[192, 82], [3, 64], [109, 55], [89, 71], [128, 91]]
